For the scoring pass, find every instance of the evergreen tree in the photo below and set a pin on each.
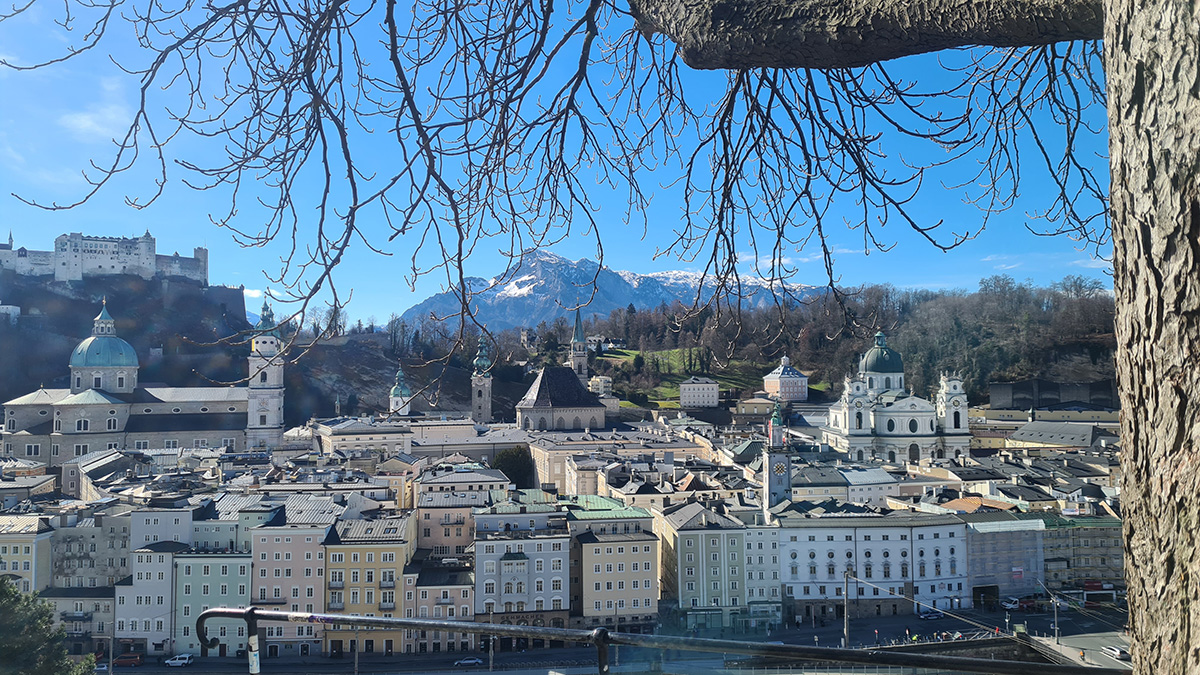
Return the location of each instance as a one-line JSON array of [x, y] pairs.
[[517, 465], [29, 644]]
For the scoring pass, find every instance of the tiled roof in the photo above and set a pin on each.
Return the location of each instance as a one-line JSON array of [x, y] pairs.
[[23, 525], [371, 531], [186, 422], [559, 387]]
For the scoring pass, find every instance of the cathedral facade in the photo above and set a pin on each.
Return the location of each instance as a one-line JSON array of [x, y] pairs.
[[877, 419], [107, 406]]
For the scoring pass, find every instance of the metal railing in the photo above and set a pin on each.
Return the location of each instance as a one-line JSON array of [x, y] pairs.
[[602, 638]]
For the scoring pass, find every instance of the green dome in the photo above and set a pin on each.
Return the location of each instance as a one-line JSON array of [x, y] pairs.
[[104, 351], [881, 358], [482, 363], [401, 388]]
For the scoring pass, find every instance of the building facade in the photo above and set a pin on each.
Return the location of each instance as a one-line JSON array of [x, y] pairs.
[[877, 419], [699, 392], [76, 256], [785, 383]]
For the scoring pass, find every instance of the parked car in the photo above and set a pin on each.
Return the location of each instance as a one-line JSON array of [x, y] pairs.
[[133, 659], [181, 660], [469, 661], [931, 614], [1010, 602], [1117, 652], [101, 668]]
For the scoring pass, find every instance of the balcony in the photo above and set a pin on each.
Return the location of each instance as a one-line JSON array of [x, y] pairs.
[[76, 616], [336, 604], [269, 601], [387, 606], [79, 635], [337, 584], [387, 583]]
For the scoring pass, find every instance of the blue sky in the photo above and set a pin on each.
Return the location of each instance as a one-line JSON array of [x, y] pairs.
[[54, 121]]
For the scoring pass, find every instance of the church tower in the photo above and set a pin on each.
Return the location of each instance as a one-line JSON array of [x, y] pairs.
[[776, 466], [264, 423], [400, 398], [579, 351], [481, 385]]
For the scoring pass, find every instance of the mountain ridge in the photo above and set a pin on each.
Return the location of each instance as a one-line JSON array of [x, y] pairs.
[[546, 285]]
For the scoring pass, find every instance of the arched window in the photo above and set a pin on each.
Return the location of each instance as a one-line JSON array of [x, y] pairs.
[[576, 424], [479, 394], [871, 382], [112, 424], [957, 419], [891, 455], [81, 425], [914, 453], [860, 455], [858, 420], [887, 383], [262, 377], [904, 570]]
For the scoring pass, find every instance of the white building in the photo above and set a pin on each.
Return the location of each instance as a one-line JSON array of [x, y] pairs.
[[147, 526], [785, 383], [145, 612], [763, 585], [877, 419], [698, 392], [898, 563], [76, 256], [522, 562], [869, 485]]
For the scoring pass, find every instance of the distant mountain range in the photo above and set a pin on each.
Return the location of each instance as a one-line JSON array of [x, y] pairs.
[[547, 284]]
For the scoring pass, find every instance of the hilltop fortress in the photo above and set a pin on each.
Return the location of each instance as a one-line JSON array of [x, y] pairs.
[[76, 256]]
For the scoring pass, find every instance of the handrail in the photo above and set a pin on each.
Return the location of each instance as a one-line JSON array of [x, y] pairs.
[[601, 638]]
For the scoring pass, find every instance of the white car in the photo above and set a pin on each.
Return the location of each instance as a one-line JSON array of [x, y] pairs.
[[1117, 652], [469, 661], [180, 660]]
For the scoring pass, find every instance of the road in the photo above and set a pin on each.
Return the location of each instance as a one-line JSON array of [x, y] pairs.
[[1088, 630]]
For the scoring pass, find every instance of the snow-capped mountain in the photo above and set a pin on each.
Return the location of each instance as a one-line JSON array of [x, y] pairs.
[[547, 283]]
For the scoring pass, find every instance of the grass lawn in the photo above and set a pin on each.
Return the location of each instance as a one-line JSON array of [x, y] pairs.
[[734, 375]]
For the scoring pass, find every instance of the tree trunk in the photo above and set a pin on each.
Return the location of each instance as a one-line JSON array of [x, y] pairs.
[[846, 33], [1152, 52]]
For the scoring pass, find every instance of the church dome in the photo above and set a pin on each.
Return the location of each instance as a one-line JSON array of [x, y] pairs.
[[104, 349], [401, 389], [881, 358], [482, 362]]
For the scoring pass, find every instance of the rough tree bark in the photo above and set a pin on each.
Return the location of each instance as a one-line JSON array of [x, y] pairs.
[[848, 33], [1152, 62]]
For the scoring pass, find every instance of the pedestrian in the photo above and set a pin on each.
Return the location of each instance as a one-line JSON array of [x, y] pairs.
[[1082, 656]]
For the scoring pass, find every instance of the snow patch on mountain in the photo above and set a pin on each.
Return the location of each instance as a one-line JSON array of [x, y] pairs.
[[549, 285]]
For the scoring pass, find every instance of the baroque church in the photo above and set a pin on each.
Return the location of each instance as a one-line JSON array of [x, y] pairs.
[[877, 419], [107, 406]]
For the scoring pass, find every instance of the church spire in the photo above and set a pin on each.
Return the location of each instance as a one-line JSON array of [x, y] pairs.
[[579, 336]]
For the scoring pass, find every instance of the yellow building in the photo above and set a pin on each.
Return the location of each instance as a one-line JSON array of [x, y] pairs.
[[25, 552], [364, 559]]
